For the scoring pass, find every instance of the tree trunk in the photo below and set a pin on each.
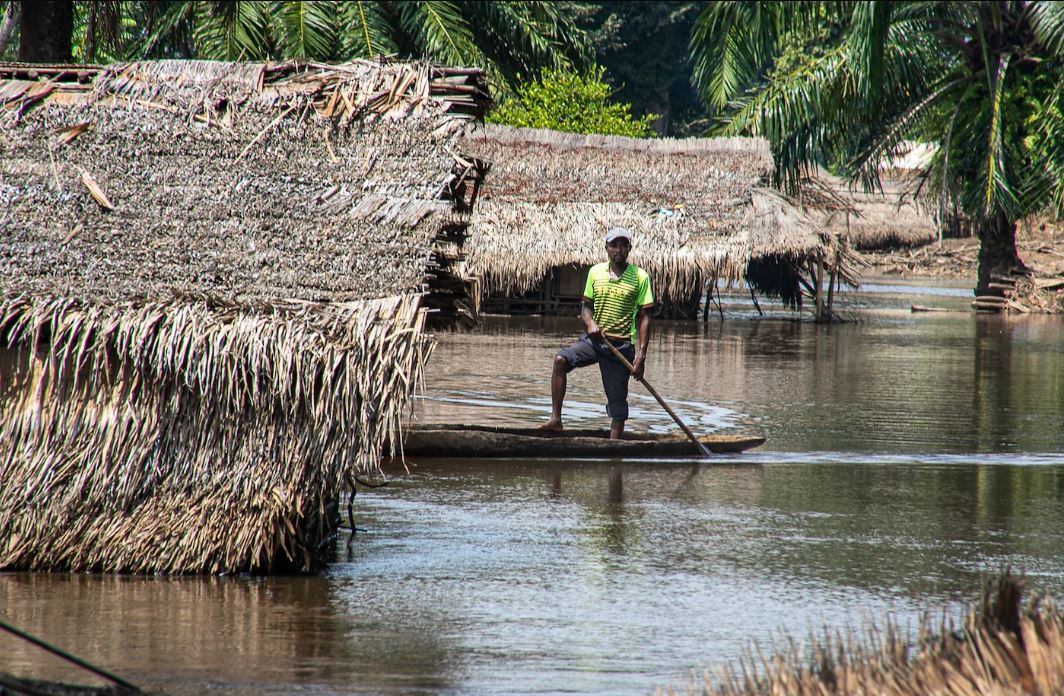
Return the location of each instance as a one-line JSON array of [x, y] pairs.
[[46, 29], [7, 25], [997, 251]]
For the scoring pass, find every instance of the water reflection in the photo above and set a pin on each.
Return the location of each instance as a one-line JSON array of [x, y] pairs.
[[240, 636]]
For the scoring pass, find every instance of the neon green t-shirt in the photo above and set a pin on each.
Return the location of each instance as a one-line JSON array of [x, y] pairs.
[[617, 300]]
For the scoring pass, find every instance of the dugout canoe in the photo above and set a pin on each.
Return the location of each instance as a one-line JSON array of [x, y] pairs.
[[478, 441]]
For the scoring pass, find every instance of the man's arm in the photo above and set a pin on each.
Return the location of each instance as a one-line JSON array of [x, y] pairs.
[[594, 332], [642, 328]]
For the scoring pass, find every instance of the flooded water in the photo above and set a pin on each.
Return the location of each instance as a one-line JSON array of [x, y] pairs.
[[907, 455]]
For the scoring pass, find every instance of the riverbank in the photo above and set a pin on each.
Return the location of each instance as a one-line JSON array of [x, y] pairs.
[[958, 258], [1040, 248]]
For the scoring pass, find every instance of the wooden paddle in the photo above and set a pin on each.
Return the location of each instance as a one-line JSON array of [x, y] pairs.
[[683, 426]]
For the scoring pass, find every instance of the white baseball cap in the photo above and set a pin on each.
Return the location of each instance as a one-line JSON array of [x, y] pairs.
[[618, 232]]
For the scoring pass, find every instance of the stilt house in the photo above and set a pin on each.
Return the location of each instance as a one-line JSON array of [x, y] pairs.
[[211, 301], [700, 211], [892, 216]]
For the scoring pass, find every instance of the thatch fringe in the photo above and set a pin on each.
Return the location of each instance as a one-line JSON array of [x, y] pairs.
[[1004, 648], [190, 437], [895, 215]]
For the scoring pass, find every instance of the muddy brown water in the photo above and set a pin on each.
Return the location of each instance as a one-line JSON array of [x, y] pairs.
[[906, 456]]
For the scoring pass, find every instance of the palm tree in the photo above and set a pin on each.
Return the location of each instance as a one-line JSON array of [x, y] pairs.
[[510, 39], [840, 84]]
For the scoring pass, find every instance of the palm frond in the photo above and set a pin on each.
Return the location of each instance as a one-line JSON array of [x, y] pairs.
[[997, 186], [167, 29], [869, 27], [1047, 21], [731, 44], [800, 112], [307, 29], [522, 39], [437, 30], [365, 30], [233, 30], [1049, 158]]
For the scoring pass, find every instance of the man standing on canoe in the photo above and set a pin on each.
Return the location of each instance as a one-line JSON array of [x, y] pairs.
[[614, 308]]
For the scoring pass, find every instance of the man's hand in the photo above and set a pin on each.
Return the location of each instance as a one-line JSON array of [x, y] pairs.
[[594, 332], [638, 366]]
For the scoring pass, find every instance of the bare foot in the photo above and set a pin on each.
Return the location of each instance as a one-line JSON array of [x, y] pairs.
[[552, 426]]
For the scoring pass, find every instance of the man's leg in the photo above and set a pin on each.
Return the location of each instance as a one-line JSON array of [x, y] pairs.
[[559, 380], [615, 382], [579, 354]]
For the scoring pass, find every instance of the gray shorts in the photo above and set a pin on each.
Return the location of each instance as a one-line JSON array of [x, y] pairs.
[[615, 375]]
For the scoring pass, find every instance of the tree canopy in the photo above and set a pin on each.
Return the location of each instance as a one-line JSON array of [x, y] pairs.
[[842, 84], [509, 39], [572, 102], [643, 48]]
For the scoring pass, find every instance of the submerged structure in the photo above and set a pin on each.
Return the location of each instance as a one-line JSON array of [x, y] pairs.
[[211, 300], [700, 209]]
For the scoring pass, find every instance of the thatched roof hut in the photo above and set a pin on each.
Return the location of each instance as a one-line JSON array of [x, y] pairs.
[[210, 280], [893, 215], [699, 208]]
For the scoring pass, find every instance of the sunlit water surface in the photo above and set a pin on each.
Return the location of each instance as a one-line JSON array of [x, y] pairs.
[[906, 455]]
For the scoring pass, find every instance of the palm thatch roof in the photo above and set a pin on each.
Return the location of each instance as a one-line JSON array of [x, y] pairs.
[[893, 215], [699, 208], [210, 287]]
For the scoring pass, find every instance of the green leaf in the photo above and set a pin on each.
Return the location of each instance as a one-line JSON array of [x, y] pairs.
[[307, 29]]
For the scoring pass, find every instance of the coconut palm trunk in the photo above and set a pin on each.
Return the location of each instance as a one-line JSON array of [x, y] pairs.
[[997, 252]]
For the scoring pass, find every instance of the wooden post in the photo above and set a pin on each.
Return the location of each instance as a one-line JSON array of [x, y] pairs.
[[832, 280], [754, 298], [820, 286]]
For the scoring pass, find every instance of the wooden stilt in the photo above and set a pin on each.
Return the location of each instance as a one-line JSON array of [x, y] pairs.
[[754, 298], [833, 279], [705, 307], [820, 287]]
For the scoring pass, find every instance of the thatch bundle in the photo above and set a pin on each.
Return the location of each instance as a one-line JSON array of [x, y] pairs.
[[1005, 648], [210, 277], [698, 208]]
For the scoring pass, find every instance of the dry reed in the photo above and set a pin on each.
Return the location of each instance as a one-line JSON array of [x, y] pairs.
[[1005, 647]]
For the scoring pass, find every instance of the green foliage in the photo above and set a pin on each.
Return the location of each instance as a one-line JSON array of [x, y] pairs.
[[844, 83], [643, 47], [507, 39], [572, 102]]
